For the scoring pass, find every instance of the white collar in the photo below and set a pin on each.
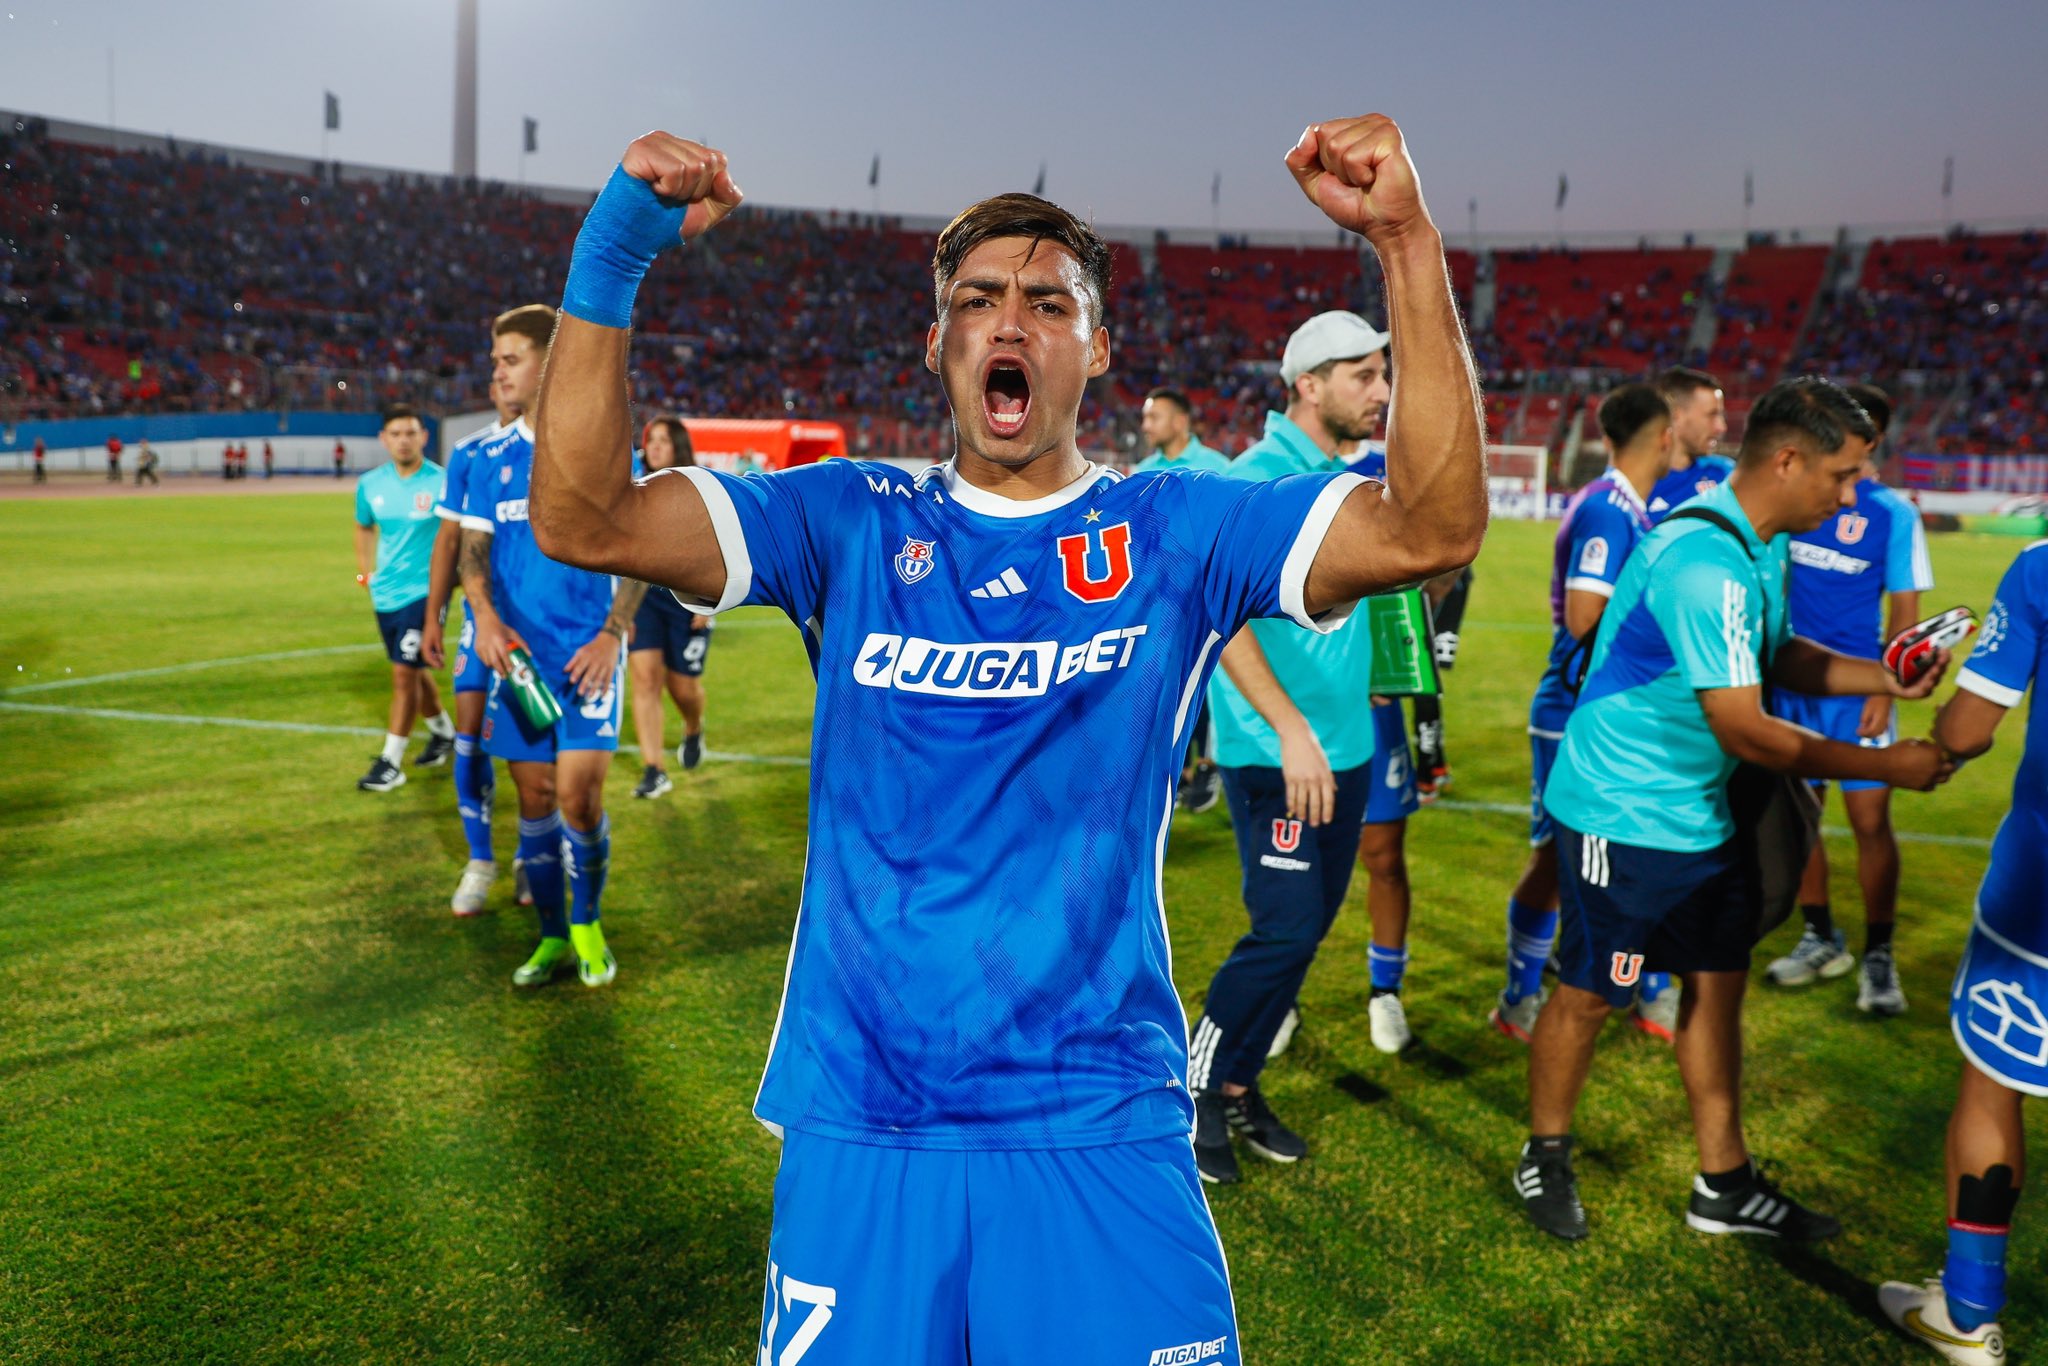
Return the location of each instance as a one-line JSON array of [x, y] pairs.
[[520, 426], [1627, 486], [995, 505]]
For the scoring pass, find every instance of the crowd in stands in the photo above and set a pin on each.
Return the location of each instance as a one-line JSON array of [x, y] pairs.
[[174, 280]]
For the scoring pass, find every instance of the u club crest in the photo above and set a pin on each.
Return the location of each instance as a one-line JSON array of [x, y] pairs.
[[914, 561], [1850, 528]]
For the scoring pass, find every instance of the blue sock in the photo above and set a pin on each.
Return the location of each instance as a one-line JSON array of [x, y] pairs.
[[1655, 984], [1973, 1278], [589, 852], [1387, 965], [473, 791], [540, 844], [1531, 933]]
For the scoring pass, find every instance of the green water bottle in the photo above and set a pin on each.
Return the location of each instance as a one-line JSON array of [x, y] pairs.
[[535, 701]]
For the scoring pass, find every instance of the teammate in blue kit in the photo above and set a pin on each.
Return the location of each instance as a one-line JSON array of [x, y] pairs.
[[1599, 531], [574, 624], [979, 1071], [1699, 419], [1998, 1007], [515, 377], [1652, 870], [1844, 573], [394, 538]]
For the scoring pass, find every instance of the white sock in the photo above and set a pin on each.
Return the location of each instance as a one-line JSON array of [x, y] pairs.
[[394, 749], [439, 724]]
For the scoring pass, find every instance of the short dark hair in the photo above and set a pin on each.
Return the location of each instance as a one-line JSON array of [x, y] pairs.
[[1681, 382], [1176, 398], [1625, 412], [399, 412], [1022, 215], [535, 322], [1813, 413], [1874, 401], [679, 437]]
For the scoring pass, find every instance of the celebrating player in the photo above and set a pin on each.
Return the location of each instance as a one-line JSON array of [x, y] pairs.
[[1699, 419], [1995, 1005], [395, 533], [572, 625], [981, 1061], [1843, 574], [1652, 870], [669, 643], [1599, 532]]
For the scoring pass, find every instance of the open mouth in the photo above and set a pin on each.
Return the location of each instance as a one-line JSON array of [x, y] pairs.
[[1006, 397]]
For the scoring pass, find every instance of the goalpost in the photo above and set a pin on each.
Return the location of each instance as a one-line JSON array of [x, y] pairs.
[[1518, 482]]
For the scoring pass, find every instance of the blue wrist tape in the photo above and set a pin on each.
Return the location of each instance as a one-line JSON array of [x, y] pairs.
[[624, 231]]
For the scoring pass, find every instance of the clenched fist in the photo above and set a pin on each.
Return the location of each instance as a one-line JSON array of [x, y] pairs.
[[1357, 171], [685, 172]]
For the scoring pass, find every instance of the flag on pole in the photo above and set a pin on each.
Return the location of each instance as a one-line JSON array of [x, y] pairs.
[[532, 135], [875, 170], [1948, 176], [1748, 188], [1564, 188], [1038, 186], [1216, 189], [333, 112]]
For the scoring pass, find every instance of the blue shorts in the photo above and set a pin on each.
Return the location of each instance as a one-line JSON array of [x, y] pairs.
[[401, 629], [1624, 910], [470, 673], [1542, 758], [1834, 718], [1038, 1258], [665, 626], [587, 722], [1393, 775], [1996, 1010]]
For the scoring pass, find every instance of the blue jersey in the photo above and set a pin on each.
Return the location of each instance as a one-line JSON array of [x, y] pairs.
[[980, 960], [1601, 526], [1679, 485], [456, 486], [1843, 568], [2011, 653], [556, 609]]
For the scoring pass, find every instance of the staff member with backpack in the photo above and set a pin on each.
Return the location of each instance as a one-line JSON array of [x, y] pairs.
[[1654, 872]]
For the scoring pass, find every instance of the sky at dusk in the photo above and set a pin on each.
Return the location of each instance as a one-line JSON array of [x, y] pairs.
[[1655, 112]]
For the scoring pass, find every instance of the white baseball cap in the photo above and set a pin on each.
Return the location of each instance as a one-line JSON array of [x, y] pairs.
[[1335, 335]]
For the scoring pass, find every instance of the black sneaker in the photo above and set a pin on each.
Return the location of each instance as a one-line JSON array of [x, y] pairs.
[[1261, 1129], [1550, 1194], [439, 747], [653, 783], [382, 777], [690, 753], [1758, 1207], [1214, 1158], [1202, 791]]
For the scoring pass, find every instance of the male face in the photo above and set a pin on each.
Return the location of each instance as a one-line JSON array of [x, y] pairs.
[[1015, 344], [405, 440], [507, 410], [515, 370], [1818, 486], [1698, 422], [1351, 398], [1163, 422]]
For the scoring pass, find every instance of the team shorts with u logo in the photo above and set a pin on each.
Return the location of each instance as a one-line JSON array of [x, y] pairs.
[[587, 722], [1996, 1009], [471, 675], [1624, 910], [663, 624], [1836, 718], [401, 629]]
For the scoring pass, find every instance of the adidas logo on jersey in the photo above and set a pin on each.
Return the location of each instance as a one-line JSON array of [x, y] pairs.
[[1007, 584], [988, 668]]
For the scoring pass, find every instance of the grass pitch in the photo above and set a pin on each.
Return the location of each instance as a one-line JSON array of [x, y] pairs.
[[266, 1100]]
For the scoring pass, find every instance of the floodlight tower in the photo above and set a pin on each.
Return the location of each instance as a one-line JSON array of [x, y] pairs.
[[465, 88]]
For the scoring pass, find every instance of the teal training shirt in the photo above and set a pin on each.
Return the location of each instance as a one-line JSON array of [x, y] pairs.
[[1639, 764], [402, 510], [1193, 456], [1325, 674]]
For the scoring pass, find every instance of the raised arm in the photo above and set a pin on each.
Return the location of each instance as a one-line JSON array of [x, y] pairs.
[[1430, 515], [585, 508]]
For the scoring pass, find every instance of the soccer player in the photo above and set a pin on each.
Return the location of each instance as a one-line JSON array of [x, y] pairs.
[[1699, 419], [1599, 531], [514, 379], [1844, 573], [573, 623], [1652, 870], [669, 641], [395, 534], [1995, 1007], [981, 1060], [1167, 420]]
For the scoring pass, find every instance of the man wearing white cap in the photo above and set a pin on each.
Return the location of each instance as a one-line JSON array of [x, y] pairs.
[[1295, 742]]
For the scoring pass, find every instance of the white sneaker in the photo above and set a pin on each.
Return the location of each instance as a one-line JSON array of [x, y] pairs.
[[1390, 1032], [475, 886], [1811, 957], [1285, 1034], [1921, 1311], [1516, 1020], [522, 892], [1878, 991]]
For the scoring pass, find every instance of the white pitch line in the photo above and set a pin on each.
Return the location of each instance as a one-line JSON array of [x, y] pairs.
[[191, 667]]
